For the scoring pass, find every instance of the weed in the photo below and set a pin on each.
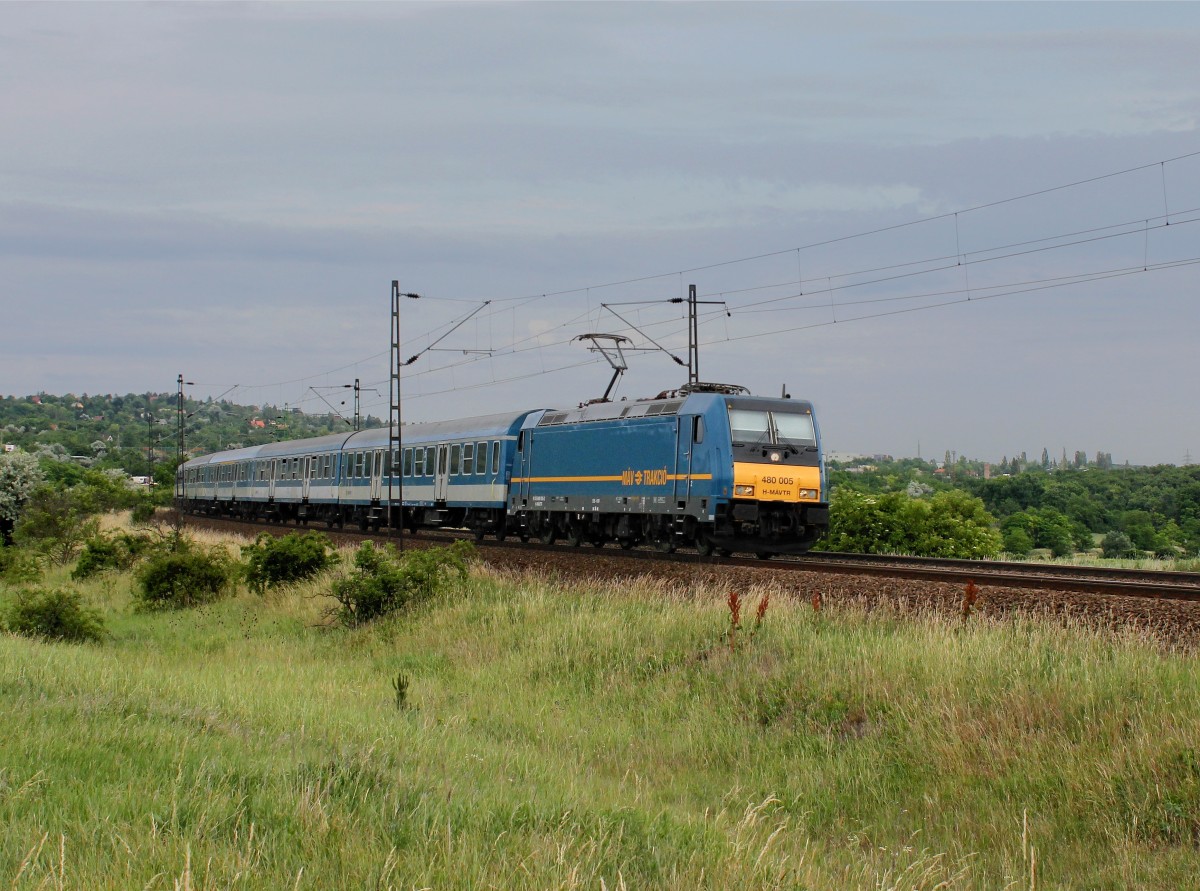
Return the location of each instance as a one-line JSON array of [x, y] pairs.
[[734, 602], [400, 685], [970, 595]]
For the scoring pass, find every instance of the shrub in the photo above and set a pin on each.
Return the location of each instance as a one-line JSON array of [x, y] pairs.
[[187, 576], [384, 582], [55, 522], [57, 614], [1117, 544], [1017, 541], [292, 558], [18, 566], [142, 514], [103, 553]]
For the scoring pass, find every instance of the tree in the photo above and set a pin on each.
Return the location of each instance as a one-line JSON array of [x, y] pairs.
[[950, 524], [20, 475]]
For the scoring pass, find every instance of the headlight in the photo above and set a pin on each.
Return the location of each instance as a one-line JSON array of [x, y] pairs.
[[743, 490], [808, 493]]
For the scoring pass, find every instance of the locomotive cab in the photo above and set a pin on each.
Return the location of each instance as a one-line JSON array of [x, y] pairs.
[[778, 502]]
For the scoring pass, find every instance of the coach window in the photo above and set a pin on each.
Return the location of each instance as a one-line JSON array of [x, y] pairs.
[[468, 458], [455, 459], [407, 469], [430, 460], [496, 457], [697, 429]]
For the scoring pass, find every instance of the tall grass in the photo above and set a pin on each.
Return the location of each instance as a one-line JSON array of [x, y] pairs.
[[594, 736]]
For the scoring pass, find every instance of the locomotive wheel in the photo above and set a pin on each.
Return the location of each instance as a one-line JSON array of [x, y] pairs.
[[665, 545], [501, 533], [478, 534], [724, 552], [625, 543], [574, 536], [704, 545], [548, 535], [763, 555]]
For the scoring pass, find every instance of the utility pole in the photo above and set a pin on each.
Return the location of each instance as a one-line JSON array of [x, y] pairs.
[[180, 453], [150, 447], [694, 331], [179, 449], [394, 463]]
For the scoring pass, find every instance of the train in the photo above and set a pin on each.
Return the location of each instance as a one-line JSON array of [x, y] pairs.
[[718, 470]]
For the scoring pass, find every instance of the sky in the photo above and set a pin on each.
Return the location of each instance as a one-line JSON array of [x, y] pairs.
[[952, 227]]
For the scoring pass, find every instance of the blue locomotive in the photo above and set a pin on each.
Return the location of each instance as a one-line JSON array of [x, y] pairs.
[[718, 471]]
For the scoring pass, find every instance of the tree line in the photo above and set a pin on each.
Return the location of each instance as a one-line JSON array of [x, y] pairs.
[[1063, 509]]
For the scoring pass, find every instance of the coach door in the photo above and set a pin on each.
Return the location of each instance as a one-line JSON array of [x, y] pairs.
[[441, 482], [274, 472], [377, 476], [306, 466]]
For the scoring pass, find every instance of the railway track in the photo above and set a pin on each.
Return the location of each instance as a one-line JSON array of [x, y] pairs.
[[1090, 580]]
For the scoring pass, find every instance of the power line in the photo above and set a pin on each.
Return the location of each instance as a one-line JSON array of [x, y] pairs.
[[974, 257]]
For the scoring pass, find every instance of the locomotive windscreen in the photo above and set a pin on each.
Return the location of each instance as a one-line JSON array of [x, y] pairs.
[[775, 427]]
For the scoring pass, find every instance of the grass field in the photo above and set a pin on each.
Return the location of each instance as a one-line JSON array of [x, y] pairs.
[[566, 734]]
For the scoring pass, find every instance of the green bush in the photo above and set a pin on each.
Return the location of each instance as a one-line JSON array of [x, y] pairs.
[[56, 522], [18, 566], [143, 513], [384, 581], [116, 552], [1017, 541], [184, 577], [56, 614], [292, 558], [1117, 544]]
